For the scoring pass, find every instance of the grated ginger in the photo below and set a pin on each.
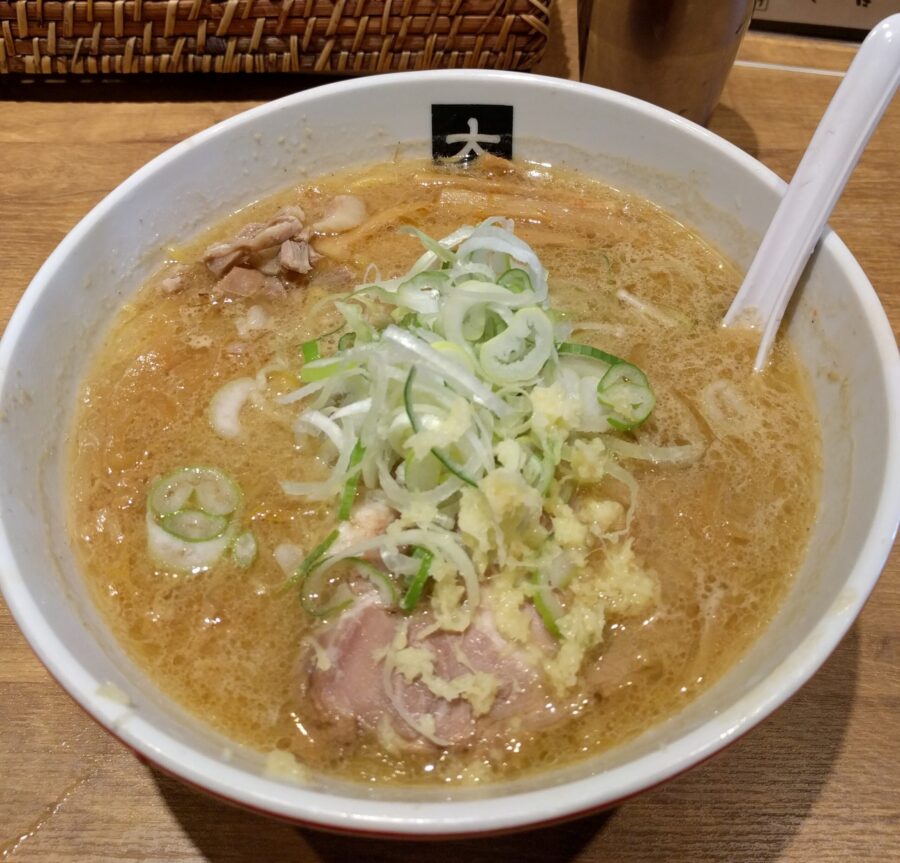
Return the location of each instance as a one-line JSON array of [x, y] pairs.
[[626, 587], [516, 506], [417, 663], [447, 597], [444, 432], [476, 524], [506, 598], [587, 459], [568, 529], [554, 408]]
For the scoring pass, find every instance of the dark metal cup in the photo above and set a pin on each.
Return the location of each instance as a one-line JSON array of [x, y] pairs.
[[674, 53]]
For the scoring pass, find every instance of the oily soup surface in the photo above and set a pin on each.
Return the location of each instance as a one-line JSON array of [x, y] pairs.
[[722, 535]]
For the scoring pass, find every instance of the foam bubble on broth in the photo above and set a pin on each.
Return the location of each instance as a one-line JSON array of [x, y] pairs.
[[723, 535]]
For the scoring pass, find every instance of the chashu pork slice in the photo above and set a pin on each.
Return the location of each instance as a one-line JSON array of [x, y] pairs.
[[374, 668]]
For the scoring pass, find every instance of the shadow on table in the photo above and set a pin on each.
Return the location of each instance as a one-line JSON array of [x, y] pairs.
[[733, 127], [746, 804], [157, 88]]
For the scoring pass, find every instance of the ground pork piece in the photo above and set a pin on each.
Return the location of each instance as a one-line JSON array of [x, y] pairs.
[[243, 282], [173, 279], [368, 519], [254, 238], [297, 254]]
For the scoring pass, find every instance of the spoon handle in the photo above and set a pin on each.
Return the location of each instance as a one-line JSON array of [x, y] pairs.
[[836, 146]]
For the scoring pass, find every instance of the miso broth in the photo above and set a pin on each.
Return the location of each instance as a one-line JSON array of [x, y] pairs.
[[721, 533]]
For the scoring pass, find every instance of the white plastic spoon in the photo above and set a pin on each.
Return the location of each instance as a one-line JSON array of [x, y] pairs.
[[836, 146]]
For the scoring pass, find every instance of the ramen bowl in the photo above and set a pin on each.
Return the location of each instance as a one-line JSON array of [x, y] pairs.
[[836, 324]]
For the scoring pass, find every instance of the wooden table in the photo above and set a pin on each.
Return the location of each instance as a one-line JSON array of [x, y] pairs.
[[819, 781]]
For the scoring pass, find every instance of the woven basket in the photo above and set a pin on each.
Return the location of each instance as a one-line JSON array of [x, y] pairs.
[[348, 36]]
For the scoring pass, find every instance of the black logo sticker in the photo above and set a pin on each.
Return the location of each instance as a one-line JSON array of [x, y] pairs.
[[460, 133]]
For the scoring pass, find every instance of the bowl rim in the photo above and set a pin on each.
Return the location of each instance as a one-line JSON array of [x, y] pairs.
[[547, 805]]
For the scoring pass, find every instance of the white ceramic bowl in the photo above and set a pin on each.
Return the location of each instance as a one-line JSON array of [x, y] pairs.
[[838, 327]]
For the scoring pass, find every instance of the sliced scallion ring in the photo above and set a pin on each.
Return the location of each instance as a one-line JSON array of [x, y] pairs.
[[445, 460], [167, 496], [181, 555], [493, 325], [380, 579], [626, 391], [353, 315], [587, 351], [521, 350], [515, 280], [422, 293], [193, 525], [313, 559], [190, 517], [324, 596], [455, 353], [324, 591], [214, 492], [473, 322], [405, 320]]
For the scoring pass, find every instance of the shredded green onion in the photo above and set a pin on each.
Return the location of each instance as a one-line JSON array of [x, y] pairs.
[[546, 604], [445, 460], [313, 558], [322, 369], [348, 495], [417, 585], [382, 581], [310, 351], [471, 384]]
